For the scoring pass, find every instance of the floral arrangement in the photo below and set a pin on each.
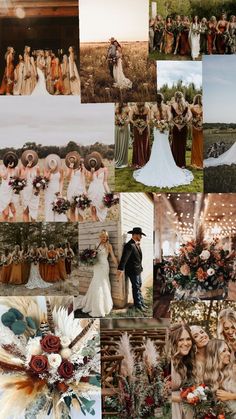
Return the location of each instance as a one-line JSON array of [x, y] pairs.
[[197, 122], [161, 125], [61, 205], [16, 259], [200, 267], [110, 199], [88, 256], [200, 400], [121, 120], [33, 259], [179, 120], [81, 201], [140, 124], [39, 184], [49, 362], [17, 184], [52, 261]]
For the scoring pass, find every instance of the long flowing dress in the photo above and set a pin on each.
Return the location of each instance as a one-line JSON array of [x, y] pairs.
[[122, 137], [68, 261], [66, 77], [220, 40], [228, 158], [61, 265], [120, 80], [7, 196], [74, 77], [184, 47], [141, 145], [6, 271], [179, 138], [8, 77], [29, 75], [50, 196], [161, 170], [98, 300], [194, 40], [178, 411], [40, 88], [35, 280], [168, 40], [96, 193], [18, 76], [29, 199], [16, 277], [197, 139], [25, 268], [52, 270], [211, 38], [43, 266], [76, 186]]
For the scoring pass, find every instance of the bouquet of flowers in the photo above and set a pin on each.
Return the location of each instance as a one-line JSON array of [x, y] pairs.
[[49, 361], [61, 205], [16, 259], [200, 267], [39, 183], [179, 120], [161, 125], [121, 120], [200, 400], [110, 199], [88, 256], [140, 124], [52, 261], [81, 201], [17, 184], [197, 122], [33, 259]]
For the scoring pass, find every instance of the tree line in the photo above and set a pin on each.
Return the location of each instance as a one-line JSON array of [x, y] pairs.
[[189, 90]]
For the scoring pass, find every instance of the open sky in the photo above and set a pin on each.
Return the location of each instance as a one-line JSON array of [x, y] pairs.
[[219, 88], [126, 20], [54, 120], [171, 71]]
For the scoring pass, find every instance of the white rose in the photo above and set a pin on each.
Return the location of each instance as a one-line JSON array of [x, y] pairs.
[[19, 183], [38, 185], [34, 347], [54, 360], [43, 181], [205, 254], [77, 199], [210, 271], [65, 341], [66, 353], [190, 396]]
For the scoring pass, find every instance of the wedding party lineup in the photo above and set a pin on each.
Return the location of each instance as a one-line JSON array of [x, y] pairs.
[[117, 209]]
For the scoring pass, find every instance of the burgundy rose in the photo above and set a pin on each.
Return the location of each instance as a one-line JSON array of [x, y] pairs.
[[39, 364], [51, 344], [66, 369], [150, 400]]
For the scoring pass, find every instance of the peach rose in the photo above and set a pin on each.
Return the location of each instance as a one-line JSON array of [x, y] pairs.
[[201, 275], [185, 270]]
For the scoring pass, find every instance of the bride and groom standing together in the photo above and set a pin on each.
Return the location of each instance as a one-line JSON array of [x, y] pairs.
[[114, 58], [98, 299]]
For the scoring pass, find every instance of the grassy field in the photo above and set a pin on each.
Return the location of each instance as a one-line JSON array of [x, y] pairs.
[[112, 212], [220, 178], [97, 84], [159, 56], [126, 183]]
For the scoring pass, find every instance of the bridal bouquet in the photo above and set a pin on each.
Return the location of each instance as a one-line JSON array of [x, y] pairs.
[[17, 184], [161, 125], [110, 199], [39, 183], [49, 361], [88, 257], [33, 259], [81, 202], [61, 205]]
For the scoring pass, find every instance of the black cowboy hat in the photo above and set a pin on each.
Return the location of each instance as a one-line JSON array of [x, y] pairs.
[[93, 161], [136, 230], [10, 157]]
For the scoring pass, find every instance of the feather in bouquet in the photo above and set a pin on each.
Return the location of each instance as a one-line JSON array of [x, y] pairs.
[[60, 205], [39, 184], [110, 199], [81, 202], [17, 184], [49, 362], [88, 256]]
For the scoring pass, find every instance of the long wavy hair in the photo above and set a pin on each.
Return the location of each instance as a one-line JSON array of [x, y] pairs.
[[225, 315], [216, 373], [197, 100], [183, 365], [180, 100]]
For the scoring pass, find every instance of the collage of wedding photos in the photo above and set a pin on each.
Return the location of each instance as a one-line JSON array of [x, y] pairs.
[[117, 209]]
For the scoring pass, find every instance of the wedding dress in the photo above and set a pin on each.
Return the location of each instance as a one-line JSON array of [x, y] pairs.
[[40, 88], [98, 300], [50, 196], [77, 185], [228, 158], [120, 80], [161, 170], [35, 280], [30, 200], [96, 192], [7, 196], [194, 40]]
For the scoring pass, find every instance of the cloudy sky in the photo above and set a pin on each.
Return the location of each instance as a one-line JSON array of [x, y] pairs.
[[172, 71], [54, 120], [219, 98], [126, 20]]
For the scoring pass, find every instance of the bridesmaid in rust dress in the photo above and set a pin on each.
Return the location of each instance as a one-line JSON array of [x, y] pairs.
[[184, 46], [43, 264], [181, 115], [25, 263], [211, 37], [61, 262], [6, 268], [69, 257], [8, 77], [139, 118], [221, 28], [52, 270], [197, 133], [16, 277]]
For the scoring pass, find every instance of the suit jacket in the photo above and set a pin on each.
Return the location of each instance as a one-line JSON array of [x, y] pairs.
[[131, 259]]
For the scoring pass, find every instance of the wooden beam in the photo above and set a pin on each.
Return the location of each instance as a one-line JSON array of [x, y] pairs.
[[40, 8], [43, 13]]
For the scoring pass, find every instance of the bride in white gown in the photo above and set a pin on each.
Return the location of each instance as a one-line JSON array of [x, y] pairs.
[[194, 38], [120, 80], [228, 158], [161, 170], [40, 88], [98, 300], [35, 280]]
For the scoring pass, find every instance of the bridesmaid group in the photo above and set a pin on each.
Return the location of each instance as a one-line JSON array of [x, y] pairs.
[[193, 36], [134, 128], [87, 177], [35, 266]]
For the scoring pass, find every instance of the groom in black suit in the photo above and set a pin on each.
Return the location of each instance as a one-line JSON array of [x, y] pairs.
[[131, 264]]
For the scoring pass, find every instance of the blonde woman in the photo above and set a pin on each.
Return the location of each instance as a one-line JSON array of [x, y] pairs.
[[201, 340], [98, 300], [219, 374], [226, 329]]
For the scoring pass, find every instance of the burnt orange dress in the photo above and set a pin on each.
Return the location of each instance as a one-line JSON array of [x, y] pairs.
[[43, 265], [16, 271], [6, 271], [25, 269], [197, 139], [61, 264], [56, 75], [8, 77], [52, 274]]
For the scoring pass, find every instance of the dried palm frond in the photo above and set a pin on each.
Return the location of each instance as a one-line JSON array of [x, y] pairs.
[[124, 349], [9, 354], [150, 354]]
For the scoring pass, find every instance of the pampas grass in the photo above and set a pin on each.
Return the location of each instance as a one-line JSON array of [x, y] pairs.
[[124, 349]]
